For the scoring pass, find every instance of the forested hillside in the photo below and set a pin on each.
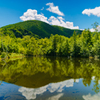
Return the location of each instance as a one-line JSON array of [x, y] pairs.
[[15, 31], [82, 45], [25, 38], [38, 28]]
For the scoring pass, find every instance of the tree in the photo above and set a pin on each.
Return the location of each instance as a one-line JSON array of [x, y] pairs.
[[75, 47], [95, 25], [87, 43], [54, 45], [66, 50]]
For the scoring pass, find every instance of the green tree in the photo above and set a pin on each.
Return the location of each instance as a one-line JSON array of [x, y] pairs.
[[66, 50], [75, 48]]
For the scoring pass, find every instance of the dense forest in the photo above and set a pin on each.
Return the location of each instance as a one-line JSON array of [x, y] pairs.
[[21, 41]]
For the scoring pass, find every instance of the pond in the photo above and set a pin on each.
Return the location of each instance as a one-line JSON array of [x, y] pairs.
[[50, 78]]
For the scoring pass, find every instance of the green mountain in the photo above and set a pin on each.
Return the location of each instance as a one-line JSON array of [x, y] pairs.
[[15, 31], [37, 29]]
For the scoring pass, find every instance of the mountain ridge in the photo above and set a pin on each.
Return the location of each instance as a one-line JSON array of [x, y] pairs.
[[42, 29]]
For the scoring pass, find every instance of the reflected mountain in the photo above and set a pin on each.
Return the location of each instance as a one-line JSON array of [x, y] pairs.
[[37, 72]]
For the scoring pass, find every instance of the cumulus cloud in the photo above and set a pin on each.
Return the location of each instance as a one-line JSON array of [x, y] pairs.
[[42, 8], [54, 21], [32, 15], [95, 11], [92, 97], [54, 9], [30, 93], [60, 22], [92, 30]]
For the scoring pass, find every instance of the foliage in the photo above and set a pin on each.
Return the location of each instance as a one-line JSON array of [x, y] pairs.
[[37, 28], [17, 31], [35, 72], [19, 40]]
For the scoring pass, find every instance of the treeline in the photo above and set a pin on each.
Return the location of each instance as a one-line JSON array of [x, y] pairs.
[[79, 45]]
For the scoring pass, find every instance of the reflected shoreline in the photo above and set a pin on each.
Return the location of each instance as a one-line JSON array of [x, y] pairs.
[[34, 72]]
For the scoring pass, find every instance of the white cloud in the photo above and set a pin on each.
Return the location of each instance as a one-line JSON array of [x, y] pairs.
[[30, 93], [32, 15], [42, 8], [82, 29], [54, 9], [60, 18], [60, 22], [54, 21], [98, 28], [92, 97], [95, 11], [93, 30]]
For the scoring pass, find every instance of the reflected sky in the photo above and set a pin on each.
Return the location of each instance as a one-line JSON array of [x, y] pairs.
[[10, 92], [69, 89], [56, 97], [31, 93], [40, 78], [92, 97]]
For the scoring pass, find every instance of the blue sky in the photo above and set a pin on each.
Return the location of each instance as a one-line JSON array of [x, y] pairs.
[[67, 13]]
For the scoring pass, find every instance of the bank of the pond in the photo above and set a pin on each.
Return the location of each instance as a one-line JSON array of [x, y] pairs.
[[11, 56], [14, 56]]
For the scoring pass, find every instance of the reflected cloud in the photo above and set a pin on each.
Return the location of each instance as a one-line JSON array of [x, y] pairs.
[[56, 97], [91, 97], [30, 93], [59, 86], [93, 78]]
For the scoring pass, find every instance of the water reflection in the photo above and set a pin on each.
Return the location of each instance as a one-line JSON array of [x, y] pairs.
[[56, 97], [10, 92], [39, 75], [31, 93], [92, 97], [39, 71]]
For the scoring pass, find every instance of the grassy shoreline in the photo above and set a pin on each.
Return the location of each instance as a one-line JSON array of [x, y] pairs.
[[11, 56], [15, 56]]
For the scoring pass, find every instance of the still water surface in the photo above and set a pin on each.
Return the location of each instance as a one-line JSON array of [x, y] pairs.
[[41, 78]]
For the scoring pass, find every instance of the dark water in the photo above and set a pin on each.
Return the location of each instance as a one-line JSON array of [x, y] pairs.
[[41, 78]]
